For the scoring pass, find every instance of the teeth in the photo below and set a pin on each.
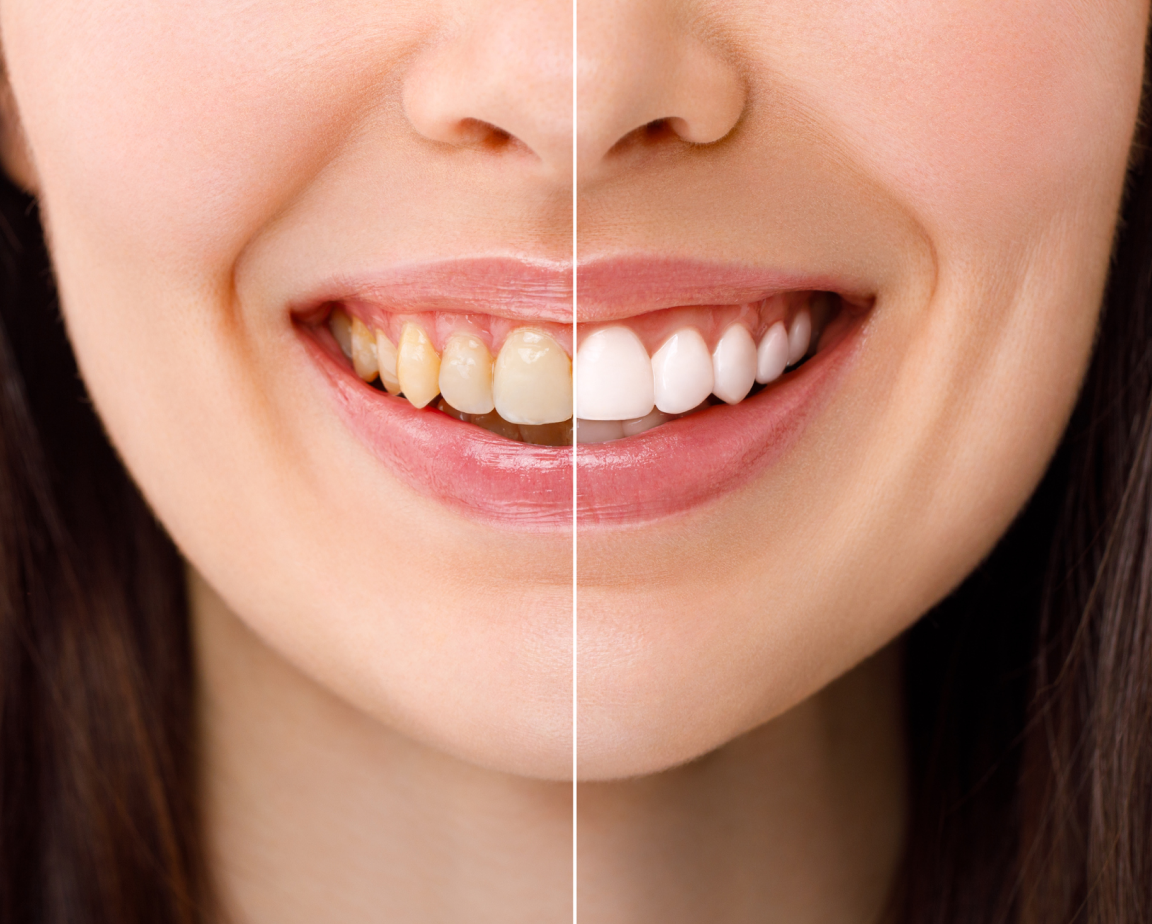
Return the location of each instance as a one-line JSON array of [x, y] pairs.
[[341, 326], [681, 372], [417, 366], [466, 374], [614, 376], [799, 336], [772, 354], [734, 365], [532, 383], [363, 351], [386, 359]]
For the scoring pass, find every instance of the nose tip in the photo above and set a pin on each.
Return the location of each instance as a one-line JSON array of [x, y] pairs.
[[503, 83], [643, 75]]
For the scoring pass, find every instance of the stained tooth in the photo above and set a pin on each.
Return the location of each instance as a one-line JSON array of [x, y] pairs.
[[613, 376], [553, 434], [466, 374], [632, 427], [799, 336], [363, 351], [386, 359], [417, 366], [734, 365], [598, 431], [532, 382], [341, 326], [772, 354], [682, 372]]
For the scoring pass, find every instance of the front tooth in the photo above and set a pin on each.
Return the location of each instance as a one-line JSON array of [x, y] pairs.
[[532, 383], [682, 374], [466, 374], [363, 351], [772, 354], [417, 366], [734, 365], [598, 431], [386, 359], [613, 376], [799, 336], [341, 326]]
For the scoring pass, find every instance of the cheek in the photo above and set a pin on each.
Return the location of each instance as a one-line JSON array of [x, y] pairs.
[[981, 114], [174, 130]]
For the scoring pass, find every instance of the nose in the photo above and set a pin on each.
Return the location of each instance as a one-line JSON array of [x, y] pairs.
[[642, 67], [500, 81]]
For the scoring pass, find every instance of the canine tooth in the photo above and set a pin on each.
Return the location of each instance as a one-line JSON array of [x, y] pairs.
[[494, 423], [632, 427], [532, 382], [466, 374], [417, 366], [772, 354], [386, 360], [799, 336], [363, 351], [613, 376], [682, 374], [341, 326], [598, 431], [734, 365]]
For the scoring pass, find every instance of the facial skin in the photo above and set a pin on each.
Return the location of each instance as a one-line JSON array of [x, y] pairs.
[[965, 161], [201, 165]]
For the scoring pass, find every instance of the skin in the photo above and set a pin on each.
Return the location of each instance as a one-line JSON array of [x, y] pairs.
[[356, 640]]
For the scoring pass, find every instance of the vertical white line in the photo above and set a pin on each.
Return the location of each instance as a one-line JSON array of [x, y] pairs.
[[575, 825]]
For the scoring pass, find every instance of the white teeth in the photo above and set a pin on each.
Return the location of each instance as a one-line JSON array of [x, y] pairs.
[[341, 326], [598, 431], [772, 354], [799, 336], [417, 366], [466, 374], [614, 376], [734, 365], [363, 351], [682, 374], [532, 383], [386, 359], [633, 427]]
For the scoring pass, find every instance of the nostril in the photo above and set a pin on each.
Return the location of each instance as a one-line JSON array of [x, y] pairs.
[[656, 132], [480, 134]]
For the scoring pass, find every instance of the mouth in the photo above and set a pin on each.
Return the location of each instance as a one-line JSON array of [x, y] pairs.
[[676, 404]]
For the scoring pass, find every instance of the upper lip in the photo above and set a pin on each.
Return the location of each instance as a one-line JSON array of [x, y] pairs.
[[617, 287], [509, 287]]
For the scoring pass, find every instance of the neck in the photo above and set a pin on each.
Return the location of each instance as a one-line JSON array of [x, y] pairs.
[[318, 812], [800, 820]]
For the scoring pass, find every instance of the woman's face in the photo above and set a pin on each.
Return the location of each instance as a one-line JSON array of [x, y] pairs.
[[216, 175]]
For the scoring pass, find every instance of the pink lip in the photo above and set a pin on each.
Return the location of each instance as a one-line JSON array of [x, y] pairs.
[[612, 288], [502, 286]]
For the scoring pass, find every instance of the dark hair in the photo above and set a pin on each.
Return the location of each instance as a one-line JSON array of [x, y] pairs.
[[98, 819], [1029, 690]]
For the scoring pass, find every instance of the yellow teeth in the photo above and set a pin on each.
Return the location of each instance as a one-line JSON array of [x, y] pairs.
[[341, 326], [532, 383], [363, 351], [417, 366], [386, 359], [466, 374]]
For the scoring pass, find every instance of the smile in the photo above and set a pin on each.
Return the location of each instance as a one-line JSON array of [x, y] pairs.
[[675, 405]]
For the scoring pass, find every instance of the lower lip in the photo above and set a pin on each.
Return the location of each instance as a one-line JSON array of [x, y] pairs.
[[479, 474], [692, 461], [670, 469]]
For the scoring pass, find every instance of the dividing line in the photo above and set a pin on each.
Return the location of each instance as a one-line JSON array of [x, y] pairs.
[[575, 826]]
